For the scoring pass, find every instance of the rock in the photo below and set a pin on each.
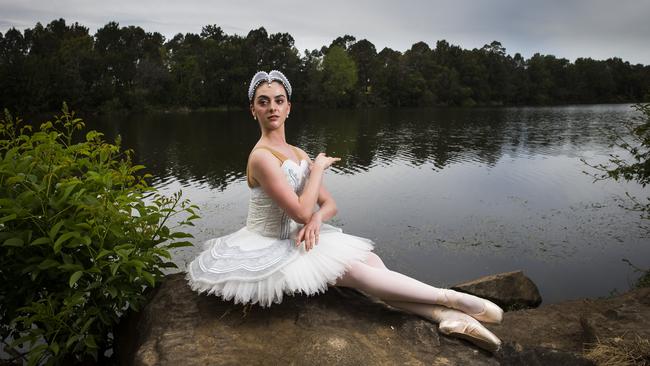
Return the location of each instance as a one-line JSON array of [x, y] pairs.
[[510, 290], [571, 327], [515, 354], [343, 327]]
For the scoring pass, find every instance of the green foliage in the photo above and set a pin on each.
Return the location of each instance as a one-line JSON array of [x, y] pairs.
[[644, 280], [637, 144], [128, 69], [340, 76], [82, 237], [635, 165]]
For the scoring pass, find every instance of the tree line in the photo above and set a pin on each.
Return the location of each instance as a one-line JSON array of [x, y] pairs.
[[127, 68]]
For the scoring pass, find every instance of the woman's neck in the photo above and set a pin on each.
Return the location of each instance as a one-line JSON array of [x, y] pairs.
[[274, 138]]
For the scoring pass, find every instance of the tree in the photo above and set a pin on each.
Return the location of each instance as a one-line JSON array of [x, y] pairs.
[[364, 55], [339, 77], [390, 85], [344, 42], [13, 78], [499, 69], [419, 70], [127, 68], [185, 68], [596, 83], [311, 77]]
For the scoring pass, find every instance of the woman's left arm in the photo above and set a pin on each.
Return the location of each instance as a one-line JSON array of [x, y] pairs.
[[326, 210], [311, 231]]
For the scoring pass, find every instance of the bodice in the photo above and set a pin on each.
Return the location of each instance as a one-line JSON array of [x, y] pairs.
[[265, 217]]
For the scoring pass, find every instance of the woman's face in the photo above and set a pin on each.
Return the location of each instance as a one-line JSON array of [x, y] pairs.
[[270, 105]]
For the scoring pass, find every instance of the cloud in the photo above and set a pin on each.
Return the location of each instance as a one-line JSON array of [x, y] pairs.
[[572, 28]]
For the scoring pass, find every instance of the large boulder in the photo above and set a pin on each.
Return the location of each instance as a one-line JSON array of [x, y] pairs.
[[343, 327], [510, 290], [582, 325], [340, 327]]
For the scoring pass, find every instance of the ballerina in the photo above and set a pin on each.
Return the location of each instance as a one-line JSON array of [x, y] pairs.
[[286, 247]]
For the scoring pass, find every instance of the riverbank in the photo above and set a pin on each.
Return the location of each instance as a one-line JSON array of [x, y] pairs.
[[344, 327]]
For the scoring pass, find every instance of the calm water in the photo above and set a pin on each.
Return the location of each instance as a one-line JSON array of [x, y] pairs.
[[448, 195]]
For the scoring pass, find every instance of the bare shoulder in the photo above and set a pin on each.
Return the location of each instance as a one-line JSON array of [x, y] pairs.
[[262, 158]]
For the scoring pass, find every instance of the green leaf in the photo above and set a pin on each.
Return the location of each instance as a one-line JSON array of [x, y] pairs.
[[149, 278], [163, 253], [75, 277], [15, 179], [71, 267], [90, 342], [59, 242], [55, 229], [48, 263], [30, 337], [35, 354], [114, 268], [102, 253], [40, 241], [87, 324], [7, 218], [180, 235], [13, 242], [55, 348], [71, 341], [83, 225], [68, 190], [179, 244]]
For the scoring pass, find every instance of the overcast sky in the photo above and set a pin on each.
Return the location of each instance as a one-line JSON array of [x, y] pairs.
[[572, 28]]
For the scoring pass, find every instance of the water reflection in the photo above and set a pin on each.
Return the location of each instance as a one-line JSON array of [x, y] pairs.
[[212, 147], [447, 194]]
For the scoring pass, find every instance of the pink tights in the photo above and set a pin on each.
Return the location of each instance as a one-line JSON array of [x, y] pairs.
[[400, 291]]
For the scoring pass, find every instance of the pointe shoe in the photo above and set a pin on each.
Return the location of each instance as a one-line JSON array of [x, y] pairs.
[[471, 331], [491, 313], [458, 324]]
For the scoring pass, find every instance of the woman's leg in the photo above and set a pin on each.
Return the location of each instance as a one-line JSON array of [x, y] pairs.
[[424, 309], [374, 278], [450, 321]]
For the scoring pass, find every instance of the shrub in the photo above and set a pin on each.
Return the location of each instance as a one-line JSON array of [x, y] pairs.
[[82, 236], [635, 166]]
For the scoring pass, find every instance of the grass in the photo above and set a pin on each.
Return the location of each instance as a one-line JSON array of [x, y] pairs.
[[620, 351]]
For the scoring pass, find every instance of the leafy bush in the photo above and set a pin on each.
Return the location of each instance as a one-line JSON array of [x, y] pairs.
[[82, 236], [634, 167]]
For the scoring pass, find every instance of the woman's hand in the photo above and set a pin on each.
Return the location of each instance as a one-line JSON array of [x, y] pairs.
[[323, 161], [311, 231]]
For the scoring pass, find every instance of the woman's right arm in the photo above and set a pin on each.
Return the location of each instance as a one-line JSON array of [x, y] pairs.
[[272, 180]]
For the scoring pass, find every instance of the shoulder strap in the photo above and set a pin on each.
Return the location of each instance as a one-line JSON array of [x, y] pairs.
[[297, 152], [277, 154]]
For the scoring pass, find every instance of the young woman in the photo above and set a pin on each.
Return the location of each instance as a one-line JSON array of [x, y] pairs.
[[285, 246]]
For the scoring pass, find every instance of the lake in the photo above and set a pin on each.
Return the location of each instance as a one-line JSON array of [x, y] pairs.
[[448, 195]]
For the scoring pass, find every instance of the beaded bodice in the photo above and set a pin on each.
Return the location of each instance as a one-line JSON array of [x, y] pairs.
[[265, 217]]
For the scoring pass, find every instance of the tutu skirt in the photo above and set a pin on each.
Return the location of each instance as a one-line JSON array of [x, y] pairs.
[[251, 268]]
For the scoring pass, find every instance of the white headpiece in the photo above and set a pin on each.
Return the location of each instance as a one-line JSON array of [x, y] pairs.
[[262, 76]]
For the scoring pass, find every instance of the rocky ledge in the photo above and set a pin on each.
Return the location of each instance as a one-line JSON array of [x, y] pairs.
[[344, 327]]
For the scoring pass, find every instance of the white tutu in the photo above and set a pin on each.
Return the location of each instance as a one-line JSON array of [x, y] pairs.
[[260, 263], [275, 267]]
